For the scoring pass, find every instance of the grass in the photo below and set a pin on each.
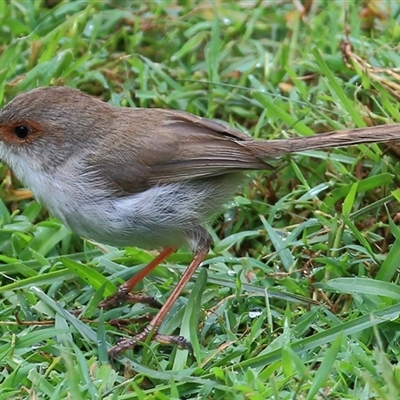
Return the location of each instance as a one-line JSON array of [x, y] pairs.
[[300, 297]]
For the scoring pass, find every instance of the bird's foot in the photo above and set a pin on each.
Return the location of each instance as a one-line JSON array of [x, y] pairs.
[[129, 343], [124, 296]]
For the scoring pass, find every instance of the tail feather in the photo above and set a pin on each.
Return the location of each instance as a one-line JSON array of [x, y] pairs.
[[348, 137]]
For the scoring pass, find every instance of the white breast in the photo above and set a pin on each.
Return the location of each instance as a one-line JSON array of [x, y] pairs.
[[158, 217]]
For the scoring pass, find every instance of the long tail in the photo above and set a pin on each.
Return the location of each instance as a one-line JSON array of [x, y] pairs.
[[348, 137]]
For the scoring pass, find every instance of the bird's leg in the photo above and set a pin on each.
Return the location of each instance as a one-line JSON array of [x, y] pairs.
[[152, 328], [124, 295]]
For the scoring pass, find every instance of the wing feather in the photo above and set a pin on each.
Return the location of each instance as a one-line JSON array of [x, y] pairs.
[[183, 147]]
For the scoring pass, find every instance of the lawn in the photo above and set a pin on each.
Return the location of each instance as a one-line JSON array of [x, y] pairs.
[[299, 297]]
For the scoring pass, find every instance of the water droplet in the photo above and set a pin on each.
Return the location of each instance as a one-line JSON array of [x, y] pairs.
[[255, 313]]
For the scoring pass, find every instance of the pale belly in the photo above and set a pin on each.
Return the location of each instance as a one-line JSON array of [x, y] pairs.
[[164, 215]]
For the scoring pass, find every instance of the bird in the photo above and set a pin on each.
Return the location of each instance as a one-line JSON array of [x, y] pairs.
[[146, 177]]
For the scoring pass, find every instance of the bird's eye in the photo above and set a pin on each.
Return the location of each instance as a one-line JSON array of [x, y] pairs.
[[21, 131]]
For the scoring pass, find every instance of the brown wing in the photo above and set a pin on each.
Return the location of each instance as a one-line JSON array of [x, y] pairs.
[[155, 146]]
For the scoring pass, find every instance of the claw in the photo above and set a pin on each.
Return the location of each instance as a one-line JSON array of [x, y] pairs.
[[122, 296], [180, 341], [129, 343]]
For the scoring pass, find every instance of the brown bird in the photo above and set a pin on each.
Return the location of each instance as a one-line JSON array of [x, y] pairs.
[[146, 177]]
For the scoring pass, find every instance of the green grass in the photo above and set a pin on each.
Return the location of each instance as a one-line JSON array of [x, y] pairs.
[[300, 297]]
